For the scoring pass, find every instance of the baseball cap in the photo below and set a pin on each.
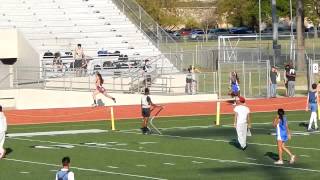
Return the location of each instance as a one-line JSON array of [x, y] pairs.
[[242, 99]]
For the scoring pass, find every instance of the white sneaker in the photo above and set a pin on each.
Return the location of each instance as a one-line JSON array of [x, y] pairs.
[[293, 159], [279, 162]]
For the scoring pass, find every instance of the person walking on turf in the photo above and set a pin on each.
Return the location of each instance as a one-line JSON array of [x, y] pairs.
[[65, 173], [3, 130], [242, 122], [146, 104], [313, 106], [100, 89], [283, 135]]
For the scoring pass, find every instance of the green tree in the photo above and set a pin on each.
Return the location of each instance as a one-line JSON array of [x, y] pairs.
[[246, 12], [312, 12], [162, 11], [191, 23]]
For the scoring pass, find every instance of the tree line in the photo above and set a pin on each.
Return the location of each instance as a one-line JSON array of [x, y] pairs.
[[234, 12]]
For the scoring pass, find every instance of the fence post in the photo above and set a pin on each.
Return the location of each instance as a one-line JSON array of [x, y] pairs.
[[89, 82], [204, 83], [219, 80], [259, 78], [250, 84], [140, 18], [11, 76], [244, 79]]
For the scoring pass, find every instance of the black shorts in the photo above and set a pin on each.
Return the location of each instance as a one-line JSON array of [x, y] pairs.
[[145, 112], [77, 63]]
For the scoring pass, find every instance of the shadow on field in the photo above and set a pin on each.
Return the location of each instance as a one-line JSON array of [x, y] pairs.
[[303, 124], [235, 143], [202, 132], [272, 155], [211, 132], [263, 165], [8, 151]]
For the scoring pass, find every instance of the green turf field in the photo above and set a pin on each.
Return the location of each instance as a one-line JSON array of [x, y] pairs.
[[190, 148]]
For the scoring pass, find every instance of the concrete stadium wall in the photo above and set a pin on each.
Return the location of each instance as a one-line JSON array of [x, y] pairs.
[[44, 99], [4, 76], [27, 57], [8, 43], [13, 45]]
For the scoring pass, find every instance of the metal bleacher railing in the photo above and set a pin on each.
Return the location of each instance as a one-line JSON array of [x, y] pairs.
[[127, 81], [158, 36]]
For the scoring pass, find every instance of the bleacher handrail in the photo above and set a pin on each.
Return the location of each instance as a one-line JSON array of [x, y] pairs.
[[160, 32]]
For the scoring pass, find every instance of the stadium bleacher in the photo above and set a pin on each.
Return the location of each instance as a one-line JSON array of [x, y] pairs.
[[59, 25]]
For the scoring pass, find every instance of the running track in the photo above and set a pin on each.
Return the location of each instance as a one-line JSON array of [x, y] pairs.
[[18, 117]]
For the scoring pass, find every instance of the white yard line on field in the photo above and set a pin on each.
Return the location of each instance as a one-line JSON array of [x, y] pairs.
[[221, 140], [53, 133], [176, 155], [84, 169]]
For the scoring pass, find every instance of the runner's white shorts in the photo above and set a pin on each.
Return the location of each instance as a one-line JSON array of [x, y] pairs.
[[2, 138]]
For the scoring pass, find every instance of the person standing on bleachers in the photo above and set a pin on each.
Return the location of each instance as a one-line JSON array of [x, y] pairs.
[[79, 59], [57, 62]]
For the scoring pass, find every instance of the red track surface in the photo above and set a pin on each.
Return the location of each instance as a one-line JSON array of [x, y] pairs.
[[36, 116]]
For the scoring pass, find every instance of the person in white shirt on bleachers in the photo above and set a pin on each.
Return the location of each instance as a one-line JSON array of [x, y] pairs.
[[79, 59]]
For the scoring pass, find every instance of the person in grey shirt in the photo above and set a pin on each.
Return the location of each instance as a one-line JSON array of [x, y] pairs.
[[273, 82]]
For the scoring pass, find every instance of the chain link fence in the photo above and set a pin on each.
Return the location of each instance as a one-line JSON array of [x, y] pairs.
[[253, 77]]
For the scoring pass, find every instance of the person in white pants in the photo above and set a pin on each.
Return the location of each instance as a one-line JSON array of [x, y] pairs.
[[312, 104], [242, 122], [3, 130]]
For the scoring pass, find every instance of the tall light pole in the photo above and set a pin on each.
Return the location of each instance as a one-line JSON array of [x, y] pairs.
[[276, 47], [300, 36], [292, 48], [260, 21]]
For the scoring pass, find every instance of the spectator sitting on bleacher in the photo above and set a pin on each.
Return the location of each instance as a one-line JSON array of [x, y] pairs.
[[102, 52], [57, 62], [48, 54]]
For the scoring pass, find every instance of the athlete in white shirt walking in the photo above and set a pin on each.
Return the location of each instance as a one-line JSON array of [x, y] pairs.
[[65, 173], [242, 122], [3, 130]]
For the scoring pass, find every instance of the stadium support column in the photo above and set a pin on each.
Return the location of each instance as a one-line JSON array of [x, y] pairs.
[[275, 45]]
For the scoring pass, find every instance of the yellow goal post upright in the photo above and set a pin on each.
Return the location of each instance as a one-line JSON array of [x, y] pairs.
[[218, 109], [113, 126]]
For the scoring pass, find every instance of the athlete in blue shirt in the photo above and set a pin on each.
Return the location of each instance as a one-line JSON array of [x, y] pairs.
[[313, 106], [283, 135]]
